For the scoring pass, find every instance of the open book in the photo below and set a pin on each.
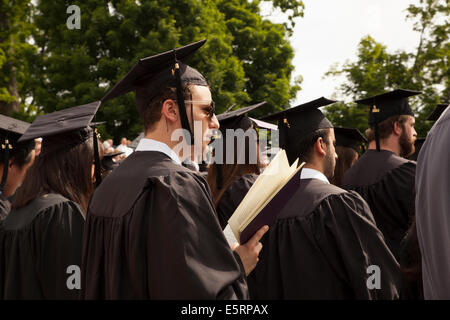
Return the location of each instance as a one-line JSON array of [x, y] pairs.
[[271, 190]]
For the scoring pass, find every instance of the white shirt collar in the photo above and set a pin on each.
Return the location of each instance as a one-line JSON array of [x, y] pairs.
[[308, 173], [153, 145]]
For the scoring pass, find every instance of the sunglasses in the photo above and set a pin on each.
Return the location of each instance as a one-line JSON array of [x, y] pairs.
[[211, 106]]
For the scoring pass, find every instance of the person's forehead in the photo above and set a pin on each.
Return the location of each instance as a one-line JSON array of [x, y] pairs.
[[332, 136], [200, 92]]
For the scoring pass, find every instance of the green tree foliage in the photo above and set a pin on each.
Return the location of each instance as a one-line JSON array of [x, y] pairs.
[[377, 70], [246, 59], [15, 54], [265, 52]]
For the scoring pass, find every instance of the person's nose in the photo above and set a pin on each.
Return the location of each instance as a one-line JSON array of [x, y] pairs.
[[214, 123]]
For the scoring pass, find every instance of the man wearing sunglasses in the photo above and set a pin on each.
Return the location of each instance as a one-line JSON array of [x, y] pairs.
[[151, 230]]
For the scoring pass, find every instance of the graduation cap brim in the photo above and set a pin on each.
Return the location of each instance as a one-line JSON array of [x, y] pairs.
[[264, 125], [146, 68], [13, 125], [112, 154], [392, 95], [437, 112], [62, 121], [348, 136], [314, 104], [236, 113], [136, 141]]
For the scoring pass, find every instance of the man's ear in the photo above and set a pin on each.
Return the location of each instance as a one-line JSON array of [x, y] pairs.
[[320, 147], [169, 110], [397, 129]]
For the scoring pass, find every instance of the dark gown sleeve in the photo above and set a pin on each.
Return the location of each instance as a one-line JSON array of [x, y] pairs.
[[167, 245], [392, 202], [190, 258], [36, 258], [233, 196], [325, 255], [351, 237]]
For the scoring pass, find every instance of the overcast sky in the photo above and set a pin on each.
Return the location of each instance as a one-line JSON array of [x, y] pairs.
[[330, 31]]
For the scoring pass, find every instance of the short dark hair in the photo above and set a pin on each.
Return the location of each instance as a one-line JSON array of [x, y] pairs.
[[386, 127], [20, 154], [152, 113], [303, 147]]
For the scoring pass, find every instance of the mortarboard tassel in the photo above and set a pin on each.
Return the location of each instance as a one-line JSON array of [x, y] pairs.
[[375, 112], [180, 99], [98, 175], [6, 147], [377, 137]]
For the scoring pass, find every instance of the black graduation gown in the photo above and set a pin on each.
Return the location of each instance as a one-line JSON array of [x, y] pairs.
[[233, 196], [5, 207], [320, 247], [152, 233], [38, 243], [386, 182], [410, 260]]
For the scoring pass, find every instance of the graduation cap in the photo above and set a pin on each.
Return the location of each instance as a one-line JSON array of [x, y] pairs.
[[263, 125], [349, 137], [386, 105], [437, 112], [10, 131], [65, 129], [107, 161], [152, 74], [237, 119], [297, 122]]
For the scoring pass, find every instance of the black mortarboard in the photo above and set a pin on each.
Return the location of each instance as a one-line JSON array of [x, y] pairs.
[[107, 161], [237, 119], [12, 125], [63, 122], [349, 137], [136, 141], [10, 131], [65, 129], [152, 74], [437, 112], [297, 122], [263, 124], [386, 105]]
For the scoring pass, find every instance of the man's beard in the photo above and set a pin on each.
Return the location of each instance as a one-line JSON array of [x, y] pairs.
[[407, 147], [330, 164]]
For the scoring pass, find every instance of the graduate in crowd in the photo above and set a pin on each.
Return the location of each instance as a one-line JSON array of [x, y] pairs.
[[382, 176], [151, 230], [324, 241], [230, 180], [41, 237], [349, 143], [15, 159], [110, 161], [410, 255], [433, 207]]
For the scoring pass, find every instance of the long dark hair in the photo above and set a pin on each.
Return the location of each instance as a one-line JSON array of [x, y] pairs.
[[345, 159], [220, 176], [66, 171]]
